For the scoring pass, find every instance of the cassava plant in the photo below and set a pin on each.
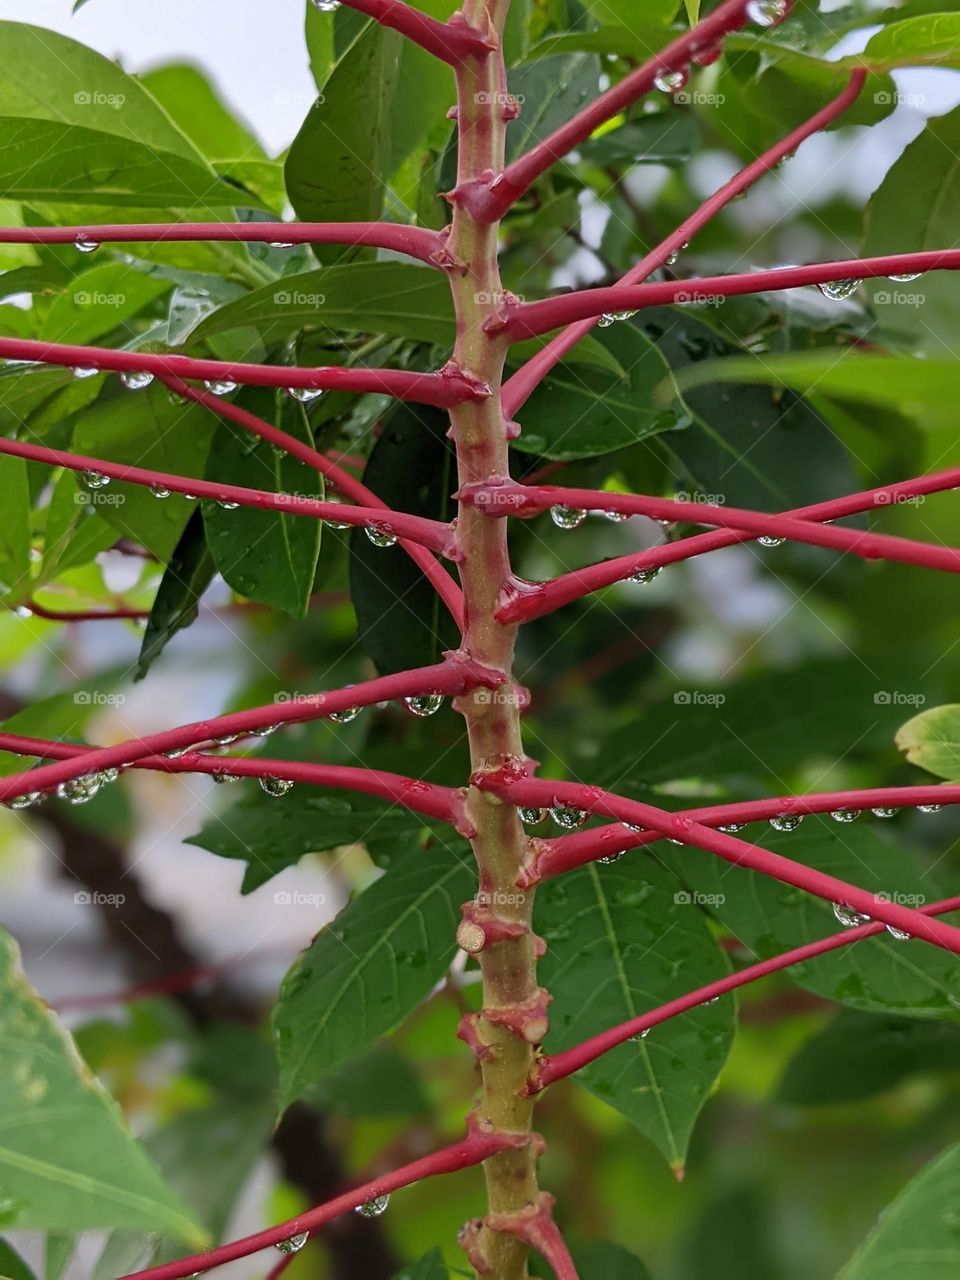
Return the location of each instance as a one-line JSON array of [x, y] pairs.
[[363, 373]]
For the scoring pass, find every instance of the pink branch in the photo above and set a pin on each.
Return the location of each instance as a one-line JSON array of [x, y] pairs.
[[415, 242], [452, 42], [502, 498], [457, 675], [514, 788], [535, 1226], [445, 389], [473, 1150], [557, 1066], [488, 200], [553, 857], [530, 319], [436, 575], [532, 600], [427, 798], [428, 533], [528, 377]]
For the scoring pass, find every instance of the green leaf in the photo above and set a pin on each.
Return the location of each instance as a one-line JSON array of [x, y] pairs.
[[74, 532], [668, 137], [580, 412], [14, 527], [62, 715], [858, 1055], [67, 1160], [12, 1266], [401, 620], [364, 973], [381, 1083], [931, 740], [146, 429], [264, 555], [98, 301], [929, 169], [271, 833], [337, 166], [551, 90], [430, 1267], [917, 1234], [621, 940], [44, 160], [931, 40], [197, 109], [624, 13], [600, 1260], [878, 974], [45, 76], [186, 577]]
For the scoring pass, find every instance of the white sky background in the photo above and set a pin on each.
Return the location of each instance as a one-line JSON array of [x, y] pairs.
[[254, 50]]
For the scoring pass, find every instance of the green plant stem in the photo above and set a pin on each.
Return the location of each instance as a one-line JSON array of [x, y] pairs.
[[480, 434]]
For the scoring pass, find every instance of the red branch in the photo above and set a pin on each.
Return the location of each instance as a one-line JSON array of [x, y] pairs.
[[515, 788], [457, 675], [564, 853], [530, 319], [427, 798], [428, 533], [436, 575], [453, 42], [535, 1226], [445, 389], [528, 377], [557, 1066], [415, 242], [489, 200], [473, 1150], [505, 497], [527, 600]]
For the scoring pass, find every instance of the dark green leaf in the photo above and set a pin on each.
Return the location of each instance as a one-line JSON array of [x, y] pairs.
[[601, 1261], [187, 576], [431, 1267], [550, 90], [12, 1266]]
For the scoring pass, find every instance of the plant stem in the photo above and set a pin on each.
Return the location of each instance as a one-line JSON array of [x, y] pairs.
[[480, 432]]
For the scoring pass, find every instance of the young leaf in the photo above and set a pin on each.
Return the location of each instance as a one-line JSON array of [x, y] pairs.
[[364, 973], [67, 1160], [187, 576], [917, 1234], [931, 740], [621, 940], [431, 1267]]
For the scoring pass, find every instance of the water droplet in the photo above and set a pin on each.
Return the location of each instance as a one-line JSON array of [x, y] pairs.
[[566, 816], [226, 505], [731, 828], [606, 320], [424, 705], [531, 817], [159, 491], [644, 576], [282, 244], [670, 81], [373, 1208], [136, 379], [276, 786], [220, 386], [264, 731], [567, 517], [929, 808], [641, 1035], [786, 821], [294, 1244], [900, 935], [94, 479], [884, 813], [838, 290], [109, 776], [907, 278], [844, 815], [346, 715], [326, 6], [26, 801], [85, 245], [221, 777], [848, 916], [381, 535], [23, 611], [637, 830], [176, 753], [335, 524], [79, 790], [616, 517], [767, 13], [305, 395], [767, 540], [85, 371], [609, 859]]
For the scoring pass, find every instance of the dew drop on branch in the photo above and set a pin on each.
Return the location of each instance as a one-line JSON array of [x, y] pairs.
[[373, 1208], [670, 81], [326, 6], [644, 576], [220, 386], [786, 821], [136, 379], [609, 859], [899, 935], [882, 812], [276, 786], [839, 290], [929, 808], [159, 491], [94, 479], [531, 817], [304, 395], [848, 916], [567, 816], [335, 524], [26, 801], [731, 828], [844, 815], [83, 371], [80, 790], [567, 517], [345, 716], [226, 505], [906, 278], [294, 1244], [424, 704], [83, 244], [768, 540], [381, 535], [767, 13]]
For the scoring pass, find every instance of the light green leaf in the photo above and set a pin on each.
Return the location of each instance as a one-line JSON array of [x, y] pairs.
[[364, 973], [931, 40], [67, 1160], [931, 740], [917, 1234], [194, 105], [98, 301], [929, 169], [74, 533], [621, 940], [14, 527]]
